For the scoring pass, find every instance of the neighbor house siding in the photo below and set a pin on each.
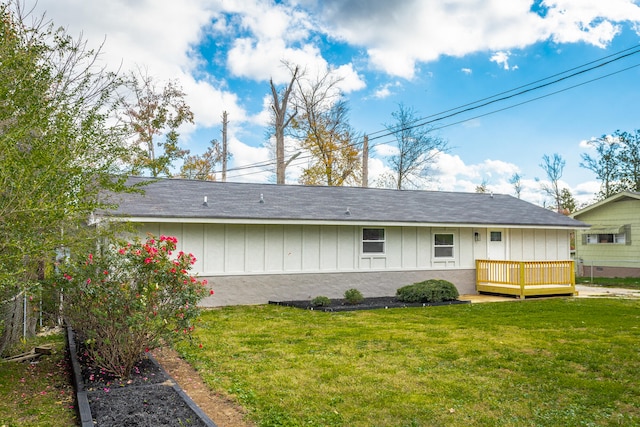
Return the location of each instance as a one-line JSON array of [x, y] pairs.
[[615, 213]]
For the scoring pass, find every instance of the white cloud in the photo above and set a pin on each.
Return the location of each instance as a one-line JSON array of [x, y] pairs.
[[502, 59], [467, 71], [398, 35]]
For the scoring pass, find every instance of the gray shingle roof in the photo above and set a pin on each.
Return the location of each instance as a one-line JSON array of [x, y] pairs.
[[178, 198]]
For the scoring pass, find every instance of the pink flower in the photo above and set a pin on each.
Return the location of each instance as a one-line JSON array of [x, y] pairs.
[[211, 292], [105, 272], [148, 260], [88, 281]]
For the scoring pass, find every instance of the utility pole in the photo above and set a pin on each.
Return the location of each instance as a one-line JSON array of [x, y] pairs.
[[365, 162], [224, 146]]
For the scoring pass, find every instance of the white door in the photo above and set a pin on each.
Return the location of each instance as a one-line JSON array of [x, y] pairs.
[[496, 245]]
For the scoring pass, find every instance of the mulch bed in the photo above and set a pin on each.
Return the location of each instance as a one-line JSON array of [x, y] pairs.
[[340, 304], [150, 397]]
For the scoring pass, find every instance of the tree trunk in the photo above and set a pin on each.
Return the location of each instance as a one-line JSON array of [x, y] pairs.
[[13, 316]]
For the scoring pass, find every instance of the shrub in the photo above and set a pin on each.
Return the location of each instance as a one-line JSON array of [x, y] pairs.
[[130, 298], [353, 296], [433, 290], [321, 301]]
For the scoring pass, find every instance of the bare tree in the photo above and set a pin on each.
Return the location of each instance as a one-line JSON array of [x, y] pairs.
[[282, 119], [417, 148], [516, 181], [553, 167]]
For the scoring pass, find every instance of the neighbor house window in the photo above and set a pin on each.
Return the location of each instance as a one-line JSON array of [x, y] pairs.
[[373, 240], [620, 238], [443, 245], [608, 235]]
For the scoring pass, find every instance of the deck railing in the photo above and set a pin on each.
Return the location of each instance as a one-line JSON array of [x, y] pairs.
[[525, 278]]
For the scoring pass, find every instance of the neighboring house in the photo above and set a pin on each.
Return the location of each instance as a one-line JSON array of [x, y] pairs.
[[611, 247], [261, 242]]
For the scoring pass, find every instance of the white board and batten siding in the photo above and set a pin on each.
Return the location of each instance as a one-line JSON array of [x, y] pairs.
[[248, 249]]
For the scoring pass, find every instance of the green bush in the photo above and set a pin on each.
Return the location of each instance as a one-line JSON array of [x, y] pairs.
[[434, 290], [321, 301], [353, 296]]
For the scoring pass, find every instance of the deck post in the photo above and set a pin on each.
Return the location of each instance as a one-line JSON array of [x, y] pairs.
[[522, 279]]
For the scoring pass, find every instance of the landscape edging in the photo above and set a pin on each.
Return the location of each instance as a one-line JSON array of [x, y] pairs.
[[84, 409]]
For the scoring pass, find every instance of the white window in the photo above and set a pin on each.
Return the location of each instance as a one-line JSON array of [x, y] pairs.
[[443, 245], [373, 240]]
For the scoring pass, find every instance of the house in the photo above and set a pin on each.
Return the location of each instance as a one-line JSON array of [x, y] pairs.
[[261, 242], [611, 246]]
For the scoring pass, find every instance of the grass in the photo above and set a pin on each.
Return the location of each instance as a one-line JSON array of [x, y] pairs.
[[543, 362], [38, 394], [611, 282]]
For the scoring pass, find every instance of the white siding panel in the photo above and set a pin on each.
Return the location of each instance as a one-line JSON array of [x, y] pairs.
[[193, 243], [465, 248], [274, 248], [214, 248], [311, 248], [393, 245], [347, 247], [540, 245], [551, 249], [424, 247], [234, 243], [329, 248], [409, 247], [293, 248], [255, 253]]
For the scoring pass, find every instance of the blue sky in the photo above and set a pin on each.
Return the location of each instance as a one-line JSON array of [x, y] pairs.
[[431, 56]]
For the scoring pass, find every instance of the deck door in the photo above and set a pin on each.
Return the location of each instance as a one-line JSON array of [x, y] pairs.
[[496, 244]]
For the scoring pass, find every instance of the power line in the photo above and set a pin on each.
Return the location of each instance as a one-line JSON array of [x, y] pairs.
[[475, 105]]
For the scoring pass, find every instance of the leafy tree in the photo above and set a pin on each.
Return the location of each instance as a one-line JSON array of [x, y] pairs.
[[57, 150], [150, 112], [323, 129], [553, 167], [335, 155], [417, 148], [203, 167], [605, 164], [568, 203], [629, 160]]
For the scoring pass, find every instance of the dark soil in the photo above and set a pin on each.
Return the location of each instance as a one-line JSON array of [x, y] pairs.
[[146, 398], [340, 304]]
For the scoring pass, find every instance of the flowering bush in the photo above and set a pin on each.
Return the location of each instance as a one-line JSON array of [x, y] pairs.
[[130, 298]]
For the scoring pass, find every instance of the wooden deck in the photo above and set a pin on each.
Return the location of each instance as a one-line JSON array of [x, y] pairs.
[[526, 278]]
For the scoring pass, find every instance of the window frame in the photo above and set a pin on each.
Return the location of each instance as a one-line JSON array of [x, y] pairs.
[[364, 241], [437, 246]]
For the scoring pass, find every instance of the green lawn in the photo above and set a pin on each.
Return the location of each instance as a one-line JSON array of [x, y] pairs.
[[38, 394], [611, 282], [549, 362]]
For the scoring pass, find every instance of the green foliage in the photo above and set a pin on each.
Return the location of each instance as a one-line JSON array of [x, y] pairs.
[[321, 301], [433, 290], [353, 296], [130, 298], [57, 150]]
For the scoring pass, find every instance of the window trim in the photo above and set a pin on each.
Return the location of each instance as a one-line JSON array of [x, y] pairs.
[[435, 246], [383, 241]]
